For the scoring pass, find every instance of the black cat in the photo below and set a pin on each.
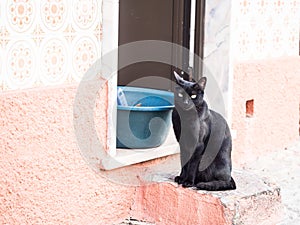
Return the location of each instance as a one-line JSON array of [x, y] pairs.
[[204, 138]]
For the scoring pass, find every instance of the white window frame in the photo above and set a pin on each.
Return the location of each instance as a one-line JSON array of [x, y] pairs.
[[122, 157]]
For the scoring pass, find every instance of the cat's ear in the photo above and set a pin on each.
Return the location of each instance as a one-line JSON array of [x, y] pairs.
[[179, 79], [202, 83]]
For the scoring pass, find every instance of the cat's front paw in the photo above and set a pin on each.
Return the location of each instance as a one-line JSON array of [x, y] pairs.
[[178, 179], [187, 184], [184, 182]]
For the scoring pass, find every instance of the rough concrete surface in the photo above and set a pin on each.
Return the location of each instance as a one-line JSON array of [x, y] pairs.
[[256, 201], [283, 167]]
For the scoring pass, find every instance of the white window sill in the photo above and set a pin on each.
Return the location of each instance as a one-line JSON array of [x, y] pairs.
[[126, 157]]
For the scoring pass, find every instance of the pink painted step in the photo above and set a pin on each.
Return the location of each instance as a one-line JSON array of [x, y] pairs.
[[256, 201]]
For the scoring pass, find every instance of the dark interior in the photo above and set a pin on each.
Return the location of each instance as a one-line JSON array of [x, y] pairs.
[[166, 20]]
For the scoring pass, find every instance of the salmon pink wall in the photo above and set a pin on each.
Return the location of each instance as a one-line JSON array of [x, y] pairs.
[[274, 87], [43, 176]]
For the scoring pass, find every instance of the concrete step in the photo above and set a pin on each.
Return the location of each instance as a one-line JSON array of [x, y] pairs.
[[255, 201], [283, 167]]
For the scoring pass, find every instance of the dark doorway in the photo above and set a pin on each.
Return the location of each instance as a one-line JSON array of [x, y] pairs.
[[166, 20]]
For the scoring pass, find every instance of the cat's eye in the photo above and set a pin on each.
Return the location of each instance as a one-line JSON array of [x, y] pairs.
[[180, 95], [193, 96]]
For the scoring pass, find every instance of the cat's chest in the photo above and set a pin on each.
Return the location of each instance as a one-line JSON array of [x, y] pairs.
[[195, 127], [191, 125]]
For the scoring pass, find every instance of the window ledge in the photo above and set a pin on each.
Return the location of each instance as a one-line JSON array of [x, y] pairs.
[[126, 157]]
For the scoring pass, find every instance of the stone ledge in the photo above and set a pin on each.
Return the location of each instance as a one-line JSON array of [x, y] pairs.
[[256, 201]]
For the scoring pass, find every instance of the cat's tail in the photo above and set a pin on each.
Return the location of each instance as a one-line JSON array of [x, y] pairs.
[[217, 185]]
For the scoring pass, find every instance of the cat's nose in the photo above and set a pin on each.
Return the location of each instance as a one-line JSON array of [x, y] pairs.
[[186, 101]]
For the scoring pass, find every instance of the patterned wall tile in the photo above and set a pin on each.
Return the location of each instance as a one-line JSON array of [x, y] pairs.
[[263, 7], [85, 53], [277, 42], [85, 13], [291, 39], [54, 14], [293, 7], [262, 42], [21, 61], [244, 7], [20, 15], [54, 60], [47, 42], [266, 28], [279, 7], [244, 41]]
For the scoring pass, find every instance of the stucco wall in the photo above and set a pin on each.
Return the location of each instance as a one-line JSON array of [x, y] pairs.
[[274, 85], [43, 177]]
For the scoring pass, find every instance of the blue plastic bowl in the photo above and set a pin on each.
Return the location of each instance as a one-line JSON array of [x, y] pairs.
[[146, 121]]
